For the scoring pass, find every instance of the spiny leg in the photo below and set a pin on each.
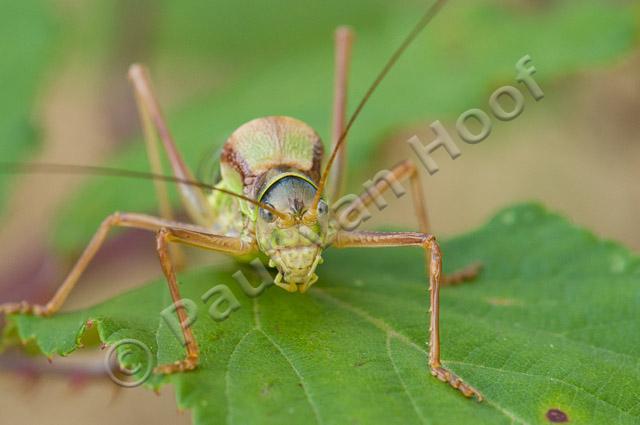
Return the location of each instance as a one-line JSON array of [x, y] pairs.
[[151, 143], [433, 257], [167, 231], [399, 172], [153, 154], [200, 240], [193, 198], [343, 41], [132, 220]]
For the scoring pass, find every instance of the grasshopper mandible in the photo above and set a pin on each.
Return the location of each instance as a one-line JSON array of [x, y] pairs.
[[273, 197]]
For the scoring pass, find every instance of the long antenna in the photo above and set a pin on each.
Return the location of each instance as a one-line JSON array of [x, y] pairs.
[[52, 168], [424, 21]]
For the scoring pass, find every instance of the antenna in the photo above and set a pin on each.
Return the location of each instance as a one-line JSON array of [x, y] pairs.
[[51, 168], [424, 21]]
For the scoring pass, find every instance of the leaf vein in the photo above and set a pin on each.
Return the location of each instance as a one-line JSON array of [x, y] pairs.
[[385, 327], [314, 408], [227, 377], [404, 385]]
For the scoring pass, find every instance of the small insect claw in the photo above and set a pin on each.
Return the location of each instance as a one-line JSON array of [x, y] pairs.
[[272, 263]]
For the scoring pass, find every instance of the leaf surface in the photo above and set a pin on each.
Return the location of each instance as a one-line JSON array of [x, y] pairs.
[[551, 323]]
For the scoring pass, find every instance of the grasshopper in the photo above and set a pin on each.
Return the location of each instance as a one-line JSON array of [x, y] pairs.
[[273, 197]]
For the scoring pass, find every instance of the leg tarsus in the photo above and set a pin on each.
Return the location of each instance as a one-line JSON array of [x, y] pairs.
[[24, 307], [184, 365], [452, 379]]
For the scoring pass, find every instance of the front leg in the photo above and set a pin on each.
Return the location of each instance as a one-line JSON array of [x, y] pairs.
[[434, 260], [166, 232], [198, 239]]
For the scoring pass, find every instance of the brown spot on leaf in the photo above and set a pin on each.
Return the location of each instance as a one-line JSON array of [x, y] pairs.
[[557, 416]]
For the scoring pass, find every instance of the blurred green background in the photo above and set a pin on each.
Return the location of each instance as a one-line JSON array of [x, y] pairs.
[[217, 64]]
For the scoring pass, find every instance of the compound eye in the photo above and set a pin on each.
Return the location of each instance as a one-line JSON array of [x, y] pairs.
[[323, 208], [267, 215]]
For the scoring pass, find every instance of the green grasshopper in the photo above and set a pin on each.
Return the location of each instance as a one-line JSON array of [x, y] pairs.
[[273, 197]]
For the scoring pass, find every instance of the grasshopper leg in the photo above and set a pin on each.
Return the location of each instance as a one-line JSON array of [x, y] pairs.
[[198, 239], [142, 91], [131, 220], [343, 41], [117, 219], [166, 231], [402, 170], [190, 362], [434, 269], [193, 198]]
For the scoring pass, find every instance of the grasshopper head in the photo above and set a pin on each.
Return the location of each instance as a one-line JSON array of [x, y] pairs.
[[293, 243]]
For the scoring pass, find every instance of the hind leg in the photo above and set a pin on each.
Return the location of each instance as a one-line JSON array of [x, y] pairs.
[[193, 199], [401, 171], [343, 41]]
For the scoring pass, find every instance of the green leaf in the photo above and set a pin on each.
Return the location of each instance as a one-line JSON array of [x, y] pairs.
[[468, 51], [551, 323], [27, 40]]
